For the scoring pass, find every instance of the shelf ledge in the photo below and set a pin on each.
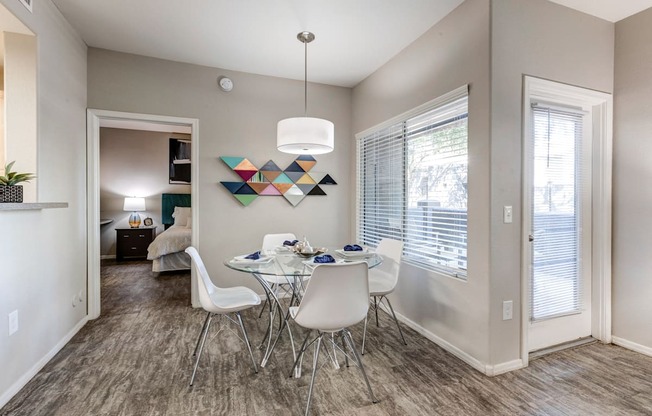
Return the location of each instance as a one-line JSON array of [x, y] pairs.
[[25, 206]]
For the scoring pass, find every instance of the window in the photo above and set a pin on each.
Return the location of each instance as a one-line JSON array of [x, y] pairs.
[[412, 184]]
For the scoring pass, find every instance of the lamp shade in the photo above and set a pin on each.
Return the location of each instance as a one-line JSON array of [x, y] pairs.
[[134, 204], [305, 136]]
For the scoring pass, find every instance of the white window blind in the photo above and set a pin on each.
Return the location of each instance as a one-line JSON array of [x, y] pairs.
[[556, 264], [412, 184]]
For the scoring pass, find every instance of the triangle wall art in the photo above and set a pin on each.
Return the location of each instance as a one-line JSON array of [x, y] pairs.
[[294, 183]]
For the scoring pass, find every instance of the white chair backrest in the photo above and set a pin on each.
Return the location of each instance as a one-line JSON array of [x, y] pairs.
[[271, 241], [205, 284], [337, 297], [391, 250]]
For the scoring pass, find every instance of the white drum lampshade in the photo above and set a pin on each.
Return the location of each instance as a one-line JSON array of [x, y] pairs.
[[305, 136]]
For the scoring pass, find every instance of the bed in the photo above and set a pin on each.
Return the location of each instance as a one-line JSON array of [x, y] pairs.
[[167, 251]]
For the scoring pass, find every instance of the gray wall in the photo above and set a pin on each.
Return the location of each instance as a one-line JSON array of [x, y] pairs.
[[43, 252], [632, 229], [504, 40], [452, 53], [542, 39], [133, 163], [238, 123]]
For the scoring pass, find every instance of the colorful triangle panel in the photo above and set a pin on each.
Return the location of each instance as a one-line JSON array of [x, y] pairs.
[[245, 165], [294, 176], [270, 165], [245, 190], [294, 167], [283, 178], [306, 188], [271, 190], [232, 186], [317, 176], [282, 187], [305, 180], [246, 199], [294, 199], [306, 165], [294, 190], [317, 191], [258, 186], [307, 158], [246, 174], [271, 175], [327, 180], [232, 162]]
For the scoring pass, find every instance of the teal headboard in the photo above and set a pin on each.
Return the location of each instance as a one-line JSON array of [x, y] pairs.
[[168, 202]]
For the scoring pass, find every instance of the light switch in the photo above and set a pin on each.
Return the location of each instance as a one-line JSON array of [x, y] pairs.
[[507, 214]]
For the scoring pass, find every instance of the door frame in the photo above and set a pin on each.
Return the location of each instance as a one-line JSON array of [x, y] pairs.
[[94, 118], [601, 105]]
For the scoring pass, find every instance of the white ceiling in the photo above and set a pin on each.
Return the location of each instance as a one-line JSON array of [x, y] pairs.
[[353, 37]]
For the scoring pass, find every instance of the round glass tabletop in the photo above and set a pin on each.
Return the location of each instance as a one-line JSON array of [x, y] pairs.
[[286, 263]]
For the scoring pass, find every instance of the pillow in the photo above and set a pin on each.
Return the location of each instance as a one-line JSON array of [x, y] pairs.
[[181, 215], [189, 224]]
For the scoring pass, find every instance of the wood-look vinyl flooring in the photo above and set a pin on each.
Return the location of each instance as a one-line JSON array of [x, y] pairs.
[[136, 360]]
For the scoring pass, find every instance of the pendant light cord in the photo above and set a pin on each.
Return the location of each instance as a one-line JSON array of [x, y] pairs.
[[305, 80]]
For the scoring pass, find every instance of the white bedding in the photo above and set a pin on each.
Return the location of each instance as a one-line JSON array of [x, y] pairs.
[[173, 240]]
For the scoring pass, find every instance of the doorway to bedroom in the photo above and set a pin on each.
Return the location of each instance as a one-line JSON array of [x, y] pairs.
[[139, 169]]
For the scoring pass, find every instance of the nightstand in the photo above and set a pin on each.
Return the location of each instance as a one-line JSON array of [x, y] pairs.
[[133, 242]]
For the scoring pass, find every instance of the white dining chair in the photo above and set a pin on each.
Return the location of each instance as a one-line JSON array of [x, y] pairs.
[[383, 280], [276, 283], [336, 297], [220, 301]]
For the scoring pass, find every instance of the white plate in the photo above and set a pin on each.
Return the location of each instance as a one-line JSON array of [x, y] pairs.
[[364, 253], [242, 260]]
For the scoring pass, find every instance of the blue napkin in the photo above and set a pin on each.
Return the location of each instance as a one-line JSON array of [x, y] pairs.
[[352, 247], [253, 256], [290, 243], [326, 258]]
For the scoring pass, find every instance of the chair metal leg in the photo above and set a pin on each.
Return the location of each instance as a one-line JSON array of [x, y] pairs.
[[376, 309], [315, 362], [263, 308], [364, 334], [201, 347], [396, 320], [208, 314], [246, 338], [301, 351], [346, 357], [349, 340]]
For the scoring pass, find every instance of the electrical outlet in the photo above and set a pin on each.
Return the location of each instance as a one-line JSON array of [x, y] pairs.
[[508, 214], [508, 310], [13, 322]]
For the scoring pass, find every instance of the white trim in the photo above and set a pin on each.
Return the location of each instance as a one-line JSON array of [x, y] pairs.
[[94, 117], [467, 358], [22, 381], [494, 370], [437, 102], [600, 104], [107, 257], [642, 349]]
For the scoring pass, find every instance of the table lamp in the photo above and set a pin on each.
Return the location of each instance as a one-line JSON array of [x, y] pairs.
[[134, 204]]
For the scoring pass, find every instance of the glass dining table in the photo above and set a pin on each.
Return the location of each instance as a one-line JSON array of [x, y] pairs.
[[284, 267]]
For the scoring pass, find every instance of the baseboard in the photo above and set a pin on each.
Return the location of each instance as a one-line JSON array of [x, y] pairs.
[[631, 345], [490, 370], [22, 381], [467, 358], [107, 257], [494, 370]]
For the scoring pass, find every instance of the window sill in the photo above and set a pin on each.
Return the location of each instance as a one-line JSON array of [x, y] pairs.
[[25, 206]]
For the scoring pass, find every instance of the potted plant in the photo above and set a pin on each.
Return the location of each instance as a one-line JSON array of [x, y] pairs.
[[10, 191]]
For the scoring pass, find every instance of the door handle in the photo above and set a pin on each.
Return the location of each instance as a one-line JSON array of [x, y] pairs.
[[530, 238]]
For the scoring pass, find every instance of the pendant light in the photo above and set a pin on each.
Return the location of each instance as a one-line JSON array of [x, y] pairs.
[[305, 135]]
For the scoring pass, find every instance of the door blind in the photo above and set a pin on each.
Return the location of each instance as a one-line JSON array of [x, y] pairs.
[[556, 213]]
